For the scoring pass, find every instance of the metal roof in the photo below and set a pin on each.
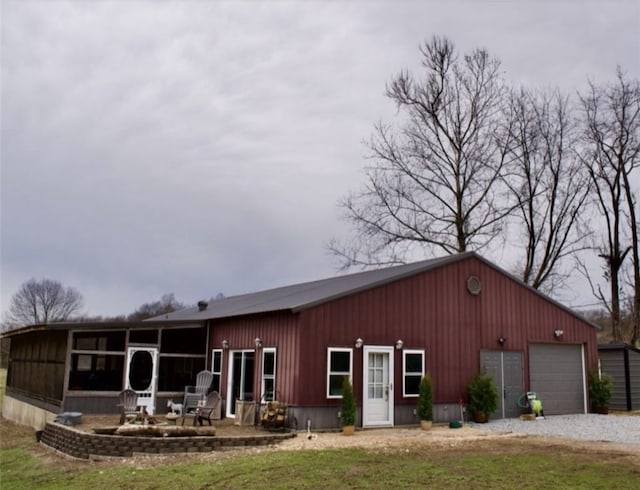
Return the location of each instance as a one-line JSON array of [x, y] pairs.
[[301, 296]]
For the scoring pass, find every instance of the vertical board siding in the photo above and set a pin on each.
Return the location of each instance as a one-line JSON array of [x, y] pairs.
[[613, 364], [277, 330], [431, 310], [434, 311]]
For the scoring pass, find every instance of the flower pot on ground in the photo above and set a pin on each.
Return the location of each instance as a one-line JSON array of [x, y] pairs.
[[483, 396], [425, 402], [348, 408], [600, 391]]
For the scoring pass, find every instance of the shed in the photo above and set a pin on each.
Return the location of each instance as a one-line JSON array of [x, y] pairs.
[[622, 363]]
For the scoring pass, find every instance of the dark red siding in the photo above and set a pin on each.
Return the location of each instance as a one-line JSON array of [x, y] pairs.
[[434, 311], [279, 330], [431, 311]]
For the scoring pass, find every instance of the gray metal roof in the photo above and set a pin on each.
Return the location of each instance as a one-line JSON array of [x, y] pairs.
[[300, 296]]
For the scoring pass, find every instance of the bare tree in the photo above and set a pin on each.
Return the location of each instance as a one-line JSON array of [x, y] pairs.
[[43, 301], [434, 183], [548, 183], [167, 304], [612, 138]]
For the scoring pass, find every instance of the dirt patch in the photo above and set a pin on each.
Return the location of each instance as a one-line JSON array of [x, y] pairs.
[[440, 438]]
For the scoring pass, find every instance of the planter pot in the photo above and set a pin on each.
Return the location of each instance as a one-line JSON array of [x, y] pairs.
[[426, 424], [601, 409], [348, 430], [480, 417]]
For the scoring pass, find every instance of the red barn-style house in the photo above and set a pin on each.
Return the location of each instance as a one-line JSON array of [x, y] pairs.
[[383, 328]]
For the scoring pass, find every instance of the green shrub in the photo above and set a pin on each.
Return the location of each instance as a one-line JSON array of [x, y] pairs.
[[483, 394], [348, 403], [600, 388], [425, 401]]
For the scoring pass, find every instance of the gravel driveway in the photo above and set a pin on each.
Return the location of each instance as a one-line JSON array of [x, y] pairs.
[[591, 427]]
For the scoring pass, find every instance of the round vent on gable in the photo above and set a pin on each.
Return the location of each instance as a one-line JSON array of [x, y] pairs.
[[474, 286]]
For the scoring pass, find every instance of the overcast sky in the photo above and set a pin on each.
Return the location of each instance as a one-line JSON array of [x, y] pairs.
[[200, 147]]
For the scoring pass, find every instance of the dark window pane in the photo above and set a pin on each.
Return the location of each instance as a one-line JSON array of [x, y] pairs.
[[143, 336], [104, 374], [177, 372], [217, 361], [269, 363], [412, 385], [268, 389], [413, 363], [335, 385], [215, 384], [340, 361], [184, 341], [109, 341]]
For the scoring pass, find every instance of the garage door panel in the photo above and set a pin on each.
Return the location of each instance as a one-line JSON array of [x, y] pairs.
[[556, 374]]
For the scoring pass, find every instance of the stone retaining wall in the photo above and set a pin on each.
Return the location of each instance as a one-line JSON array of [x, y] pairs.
[[83, 445]]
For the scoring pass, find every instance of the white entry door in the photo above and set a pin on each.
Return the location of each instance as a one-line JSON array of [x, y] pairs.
[[377, 409], [240, 379], [142, 369]]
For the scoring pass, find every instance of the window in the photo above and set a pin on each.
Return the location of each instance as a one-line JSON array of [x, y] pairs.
[[216, 369], [339, 364], [269, 375], [97, 361], [175, 372], [412, 372], [96, 372]]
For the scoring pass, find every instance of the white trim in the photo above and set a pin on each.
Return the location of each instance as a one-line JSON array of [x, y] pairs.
[[230, 356], [404, 370], [389, 350], [585, 387], [219, 373], [329, 372], [146, 398], [269, 350]]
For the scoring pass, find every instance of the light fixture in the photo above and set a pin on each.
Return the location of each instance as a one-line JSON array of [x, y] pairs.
[[399, 344], [359, 343], [225, 344], [258, 342], [558, 333], [502, 341]]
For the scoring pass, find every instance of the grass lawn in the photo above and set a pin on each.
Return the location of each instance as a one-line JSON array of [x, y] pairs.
[[495, 464]]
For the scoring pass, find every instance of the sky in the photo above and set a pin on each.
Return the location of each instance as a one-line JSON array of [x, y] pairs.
[[201, 147]]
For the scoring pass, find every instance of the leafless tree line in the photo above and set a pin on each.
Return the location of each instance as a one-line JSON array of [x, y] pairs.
[[473, 162]]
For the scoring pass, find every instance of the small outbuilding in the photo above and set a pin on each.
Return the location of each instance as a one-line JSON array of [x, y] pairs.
[[383, 328], [622, 363]]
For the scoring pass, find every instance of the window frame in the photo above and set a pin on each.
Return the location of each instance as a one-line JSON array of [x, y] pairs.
[[213, 368], [406, 352], [264, 377], [330, 351]]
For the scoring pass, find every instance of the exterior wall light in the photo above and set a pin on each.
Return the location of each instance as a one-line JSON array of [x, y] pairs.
[[225, 344], [359, 343], [258, 342], [558, 333], [502, 341], [399, 344]]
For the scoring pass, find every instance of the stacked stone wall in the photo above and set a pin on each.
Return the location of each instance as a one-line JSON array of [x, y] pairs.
[[83, 445]]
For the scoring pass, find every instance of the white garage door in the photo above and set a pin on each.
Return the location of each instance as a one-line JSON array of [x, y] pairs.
[[557, 375]]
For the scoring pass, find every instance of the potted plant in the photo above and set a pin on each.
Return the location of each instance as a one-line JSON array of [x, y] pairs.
[[600, 390], [425, 402], [483, 396], [348, 408]]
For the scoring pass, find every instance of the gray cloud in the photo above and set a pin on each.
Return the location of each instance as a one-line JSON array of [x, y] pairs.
[[199, 147]]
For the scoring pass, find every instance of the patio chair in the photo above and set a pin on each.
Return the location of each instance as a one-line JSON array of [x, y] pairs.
[[194, 394], [128, 405], [210, 410]]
